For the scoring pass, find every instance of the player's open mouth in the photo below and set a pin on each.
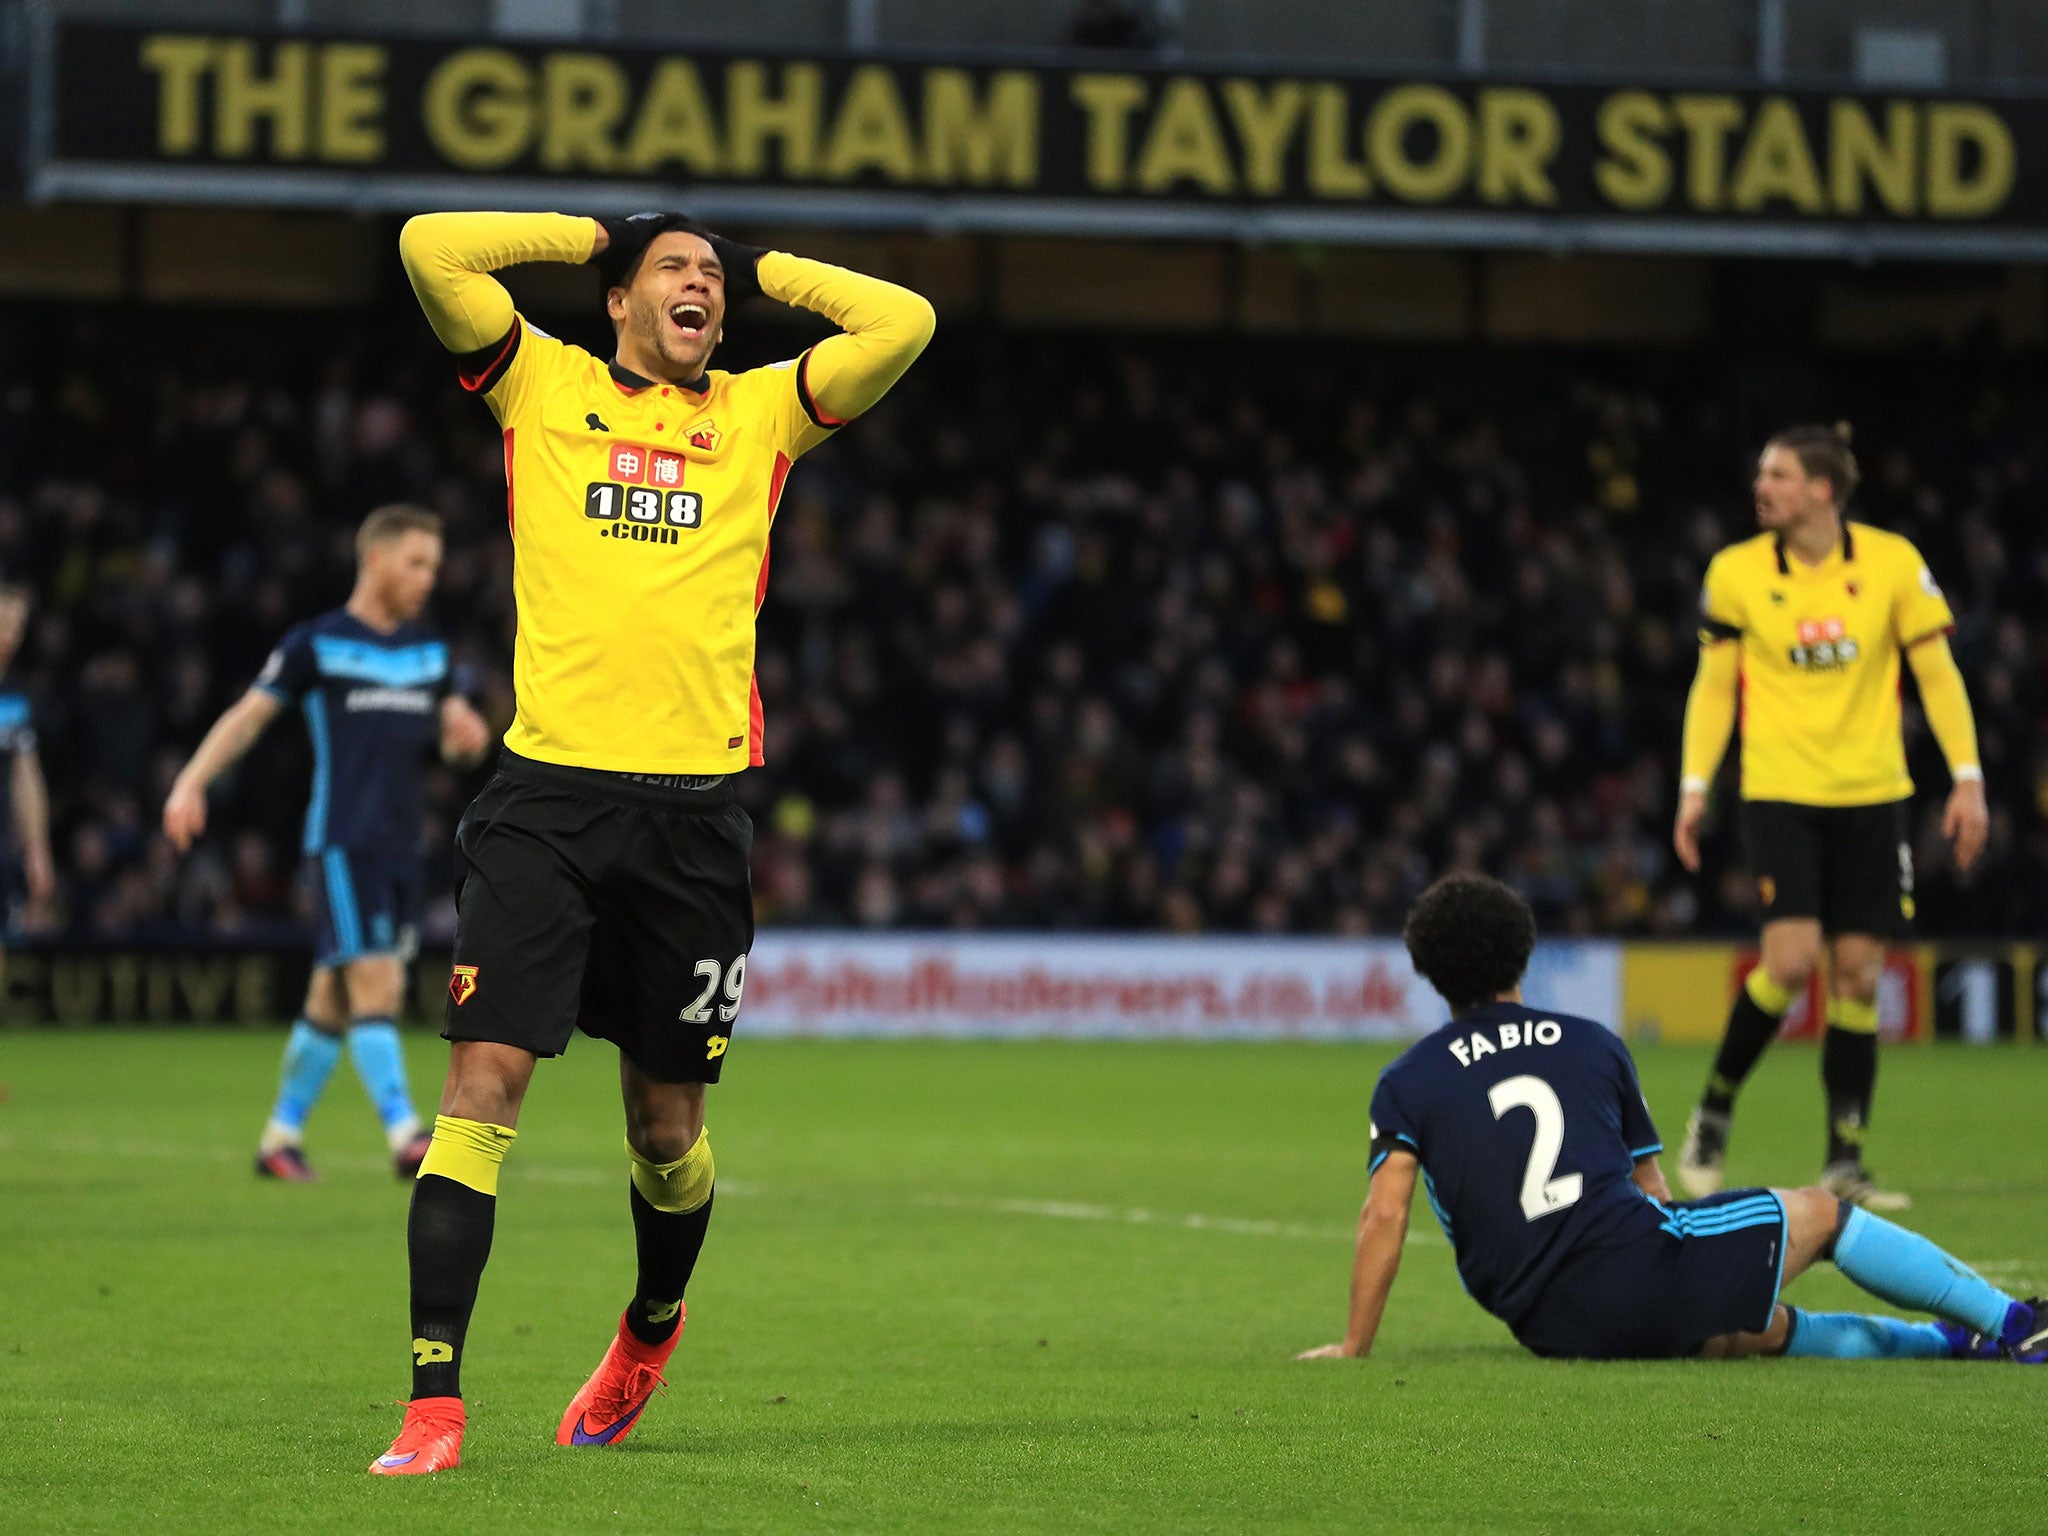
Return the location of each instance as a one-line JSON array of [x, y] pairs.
[[690, 319]]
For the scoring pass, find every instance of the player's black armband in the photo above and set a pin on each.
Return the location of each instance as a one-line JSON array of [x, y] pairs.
[[1714, 629], [807, 400], [480, 370], [1387, 1142]]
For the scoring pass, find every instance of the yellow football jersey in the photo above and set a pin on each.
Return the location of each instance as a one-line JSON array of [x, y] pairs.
[[640, 514], [1821, 647], [640, 509]]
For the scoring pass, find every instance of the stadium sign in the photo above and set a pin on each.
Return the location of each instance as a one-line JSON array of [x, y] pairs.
[[123, 111]]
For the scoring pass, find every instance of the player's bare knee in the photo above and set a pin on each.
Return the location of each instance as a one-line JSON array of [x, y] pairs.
[[662, 1127], [486, 1083], [1792, 962], [1813, 1219], [326, 1007], [374, 987]]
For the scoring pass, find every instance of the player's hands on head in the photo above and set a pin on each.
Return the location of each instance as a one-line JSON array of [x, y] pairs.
[[184, 815], [1685, 832], [1966, 823], [621, 241]]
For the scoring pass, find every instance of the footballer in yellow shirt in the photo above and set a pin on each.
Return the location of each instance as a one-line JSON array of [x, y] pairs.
[[604, 869], [1803, 628]]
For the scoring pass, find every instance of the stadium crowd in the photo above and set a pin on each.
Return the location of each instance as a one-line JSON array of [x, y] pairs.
[[1074, 632]]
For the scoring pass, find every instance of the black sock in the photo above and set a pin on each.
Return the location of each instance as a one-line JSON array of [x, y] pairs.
[[1749, 1031], [1848, 1071], [448, 1238], [668, 1243]]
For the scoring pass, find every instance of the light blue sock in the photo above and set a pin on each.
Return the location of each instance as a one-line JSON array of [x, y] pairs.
[[380, 1063], [1860, 1336], [309, 1058], [1907, 1270]]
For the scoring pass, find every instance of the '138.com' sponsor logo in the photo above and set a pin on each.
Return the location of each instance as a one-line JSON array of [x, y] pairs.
[[644, 501]]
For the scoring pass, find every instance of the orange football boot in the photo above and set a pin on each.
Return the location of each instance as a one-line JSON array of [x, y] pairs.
[[609, 1405], [430, 1441]]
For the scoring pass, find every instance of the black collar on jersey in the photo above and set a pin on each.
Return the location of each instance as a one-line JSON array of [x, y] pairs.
[[626, 378], [1848, 549]]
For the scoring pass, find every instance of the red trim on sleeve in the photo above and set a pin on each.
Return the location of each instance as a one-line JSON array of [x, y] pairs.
[[756, 722], [482, 380], [509, 528], [809, 401], [1946, 629]]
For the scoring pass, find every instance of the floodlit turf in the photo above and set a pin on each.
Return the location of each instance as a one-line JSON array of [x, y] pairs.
[[949, 1288]]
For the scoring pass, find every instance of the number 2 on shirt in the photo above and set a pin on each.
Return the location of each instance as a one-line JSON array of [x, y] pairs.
[[1542, 1195]]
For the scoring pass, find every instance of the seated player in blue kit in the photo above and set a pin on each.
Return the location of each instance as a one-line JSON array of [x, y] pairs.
[[1533, 1142]]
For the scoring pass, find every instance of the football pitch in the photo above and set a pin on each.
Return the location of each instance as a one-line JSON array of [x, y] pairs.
[[950, 1287]]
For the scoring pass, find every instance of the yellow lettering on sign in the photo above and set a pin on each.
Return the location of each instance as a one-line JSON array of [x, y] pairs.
[[351, 102], [981, 143], [583, 97], [1953, 192], [872, 132], [1707, 121], [1519, 132], [479, 108], [675, 125], [181, 64], [1265, 122], [1777, 163], [1859, 156], [1331, 170], [753, 117], [1109, 101], [1186, 143], [1635, 173], [1449, 161], [243, 98]]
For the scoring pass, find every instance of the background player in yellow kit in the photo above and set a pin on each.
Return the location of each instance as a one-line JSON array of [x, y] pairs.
[[605, 880], [1807, 622]]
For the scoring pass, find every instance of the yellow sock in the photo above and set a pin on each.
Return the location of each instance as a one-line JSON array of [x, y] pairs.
[[467, 1151], [678, 1187], [1767, 994], [1847, 1013]]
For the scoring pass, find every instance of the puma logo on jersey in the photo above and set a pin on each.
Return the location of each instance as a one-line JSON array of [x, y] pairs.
[[594, 424]]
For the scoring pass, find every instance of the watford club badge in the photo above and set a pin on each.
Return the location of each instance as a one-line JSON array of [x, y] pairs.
[[462, 984], [705, 436]]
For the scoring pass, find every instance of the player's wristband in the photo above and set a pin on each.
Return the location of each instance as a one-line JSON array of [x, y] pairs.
[[1692, 786], [1967, 775]]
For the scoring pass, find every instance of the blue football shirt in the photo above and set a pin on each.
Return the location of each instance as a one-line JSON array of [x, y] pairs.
[[372, 708], [1527, 1125]]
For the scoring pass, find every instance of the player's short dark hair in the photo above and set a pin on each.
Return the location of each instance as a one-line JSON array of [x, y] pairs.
[[1824, 453], [395, 521], [619, 262], [1470, 937]]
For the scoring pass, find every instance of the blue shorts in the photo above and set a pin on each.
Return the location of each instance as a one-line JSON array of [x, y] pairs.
[[1711, 1267], [362, 906]]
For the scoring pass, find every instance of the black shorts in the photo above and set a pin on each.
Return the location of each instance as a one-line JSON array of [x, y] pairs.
[[618, 907], [1850, 866], [1713, 1267]]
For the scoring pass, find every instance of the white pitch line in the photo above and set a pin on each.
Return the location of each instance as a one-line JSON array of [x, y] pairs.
[[1139, 1216], [517, 1171]]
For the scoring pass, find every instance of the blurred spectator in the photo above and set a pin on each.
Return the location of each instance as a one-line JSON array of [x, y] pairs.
[[1071, 633]]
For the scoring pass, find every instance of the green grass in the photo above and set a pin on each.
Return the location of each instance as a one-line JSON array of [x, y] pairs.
[[950, 1288]]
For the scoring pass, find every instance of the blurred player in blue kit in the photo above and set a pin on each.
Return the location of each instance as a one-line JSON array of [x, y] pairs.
[[1532, 1140], [374, 687]]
